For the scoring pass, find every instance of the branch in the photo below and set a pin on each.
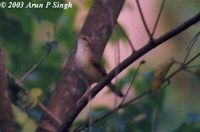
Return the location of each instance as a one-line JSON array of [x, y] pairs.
[[81, 127], [16, 86], [132, 81], [147, 92], [6, 115], [33, 67], [143, 21], [158, 17], [133, 57], [72, 85], [127, 37]]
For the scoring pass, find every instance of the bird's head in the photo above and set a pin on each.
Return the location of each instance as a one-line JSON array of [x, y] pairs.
[[84, 43]]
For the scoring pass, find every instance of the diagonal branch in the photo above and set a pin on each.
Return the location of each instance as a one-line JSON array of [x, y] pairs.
[[15, 86], [72, 85], [145, 93], [148, 47], [158, 17], [144, 21], [81, 127], [127, 37]]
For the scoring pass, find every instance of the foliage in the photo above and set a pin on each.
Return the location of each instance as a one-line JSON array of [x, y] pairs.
[[18, 30]]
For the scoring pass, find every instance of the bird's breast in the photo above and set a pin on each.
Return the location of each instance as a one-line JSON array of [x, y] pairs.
[[88, 70]]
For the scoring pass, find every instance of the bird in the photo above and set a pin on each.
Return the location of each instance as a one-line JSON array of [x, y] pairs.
[[90, 67]]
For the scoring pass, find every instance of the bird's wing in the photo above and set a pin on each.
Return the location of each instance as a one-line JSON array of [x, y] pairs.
[[99, 66]]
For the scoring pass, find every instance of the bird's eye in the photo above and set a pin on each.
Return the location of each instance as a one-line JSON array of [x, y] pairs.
[[84, 38]]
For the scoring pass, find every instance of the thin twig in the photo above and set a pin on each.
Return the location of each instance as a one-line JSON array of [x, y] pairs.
[[127, 37], [83, 126], [119, 25], [158, 17], [18, 85], [132, 81], [135, 56], [34, 67], [117, 61], [49, 114], [40, 104], [144, 21], [192, 42], [124, 64], [147, 92]]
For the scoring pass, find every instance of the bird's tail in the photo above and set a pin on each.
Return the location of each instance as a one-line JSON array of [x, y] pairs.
[[115, 90]]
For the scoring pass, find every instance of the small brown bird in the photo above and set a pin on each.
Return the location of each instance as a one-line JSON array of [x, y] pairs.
[[90, 67]]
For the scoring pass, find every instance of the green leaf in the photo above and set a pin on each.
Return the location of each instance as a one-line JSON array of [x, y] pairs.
[[188, 127], [65, 32], [117, 34]]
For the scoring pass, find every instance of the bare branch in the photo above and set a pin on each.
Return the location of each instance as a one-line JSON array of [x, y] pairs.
[[148, 47], [147, 92], [132, 81], [81, 127], [16, 85], [143, 20], [158, 17], [127, 37], [34, 67], [72, 85], [191, 46], [49, 114]]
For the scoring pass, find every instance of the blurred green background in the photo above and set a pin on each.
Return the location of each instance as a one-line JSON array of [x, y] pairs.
[[24, 32]]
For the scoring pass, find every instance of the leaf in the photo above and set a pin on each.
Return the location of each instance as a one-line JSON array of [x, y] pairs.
[[65, 30], [188, 127], [118, 33], [143, 83], [23, 120], [50, 14]]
